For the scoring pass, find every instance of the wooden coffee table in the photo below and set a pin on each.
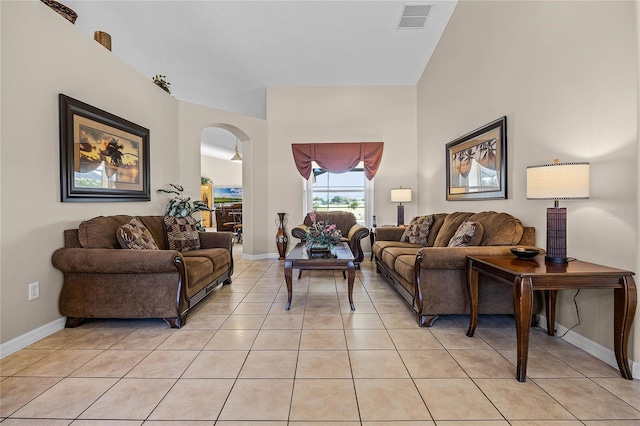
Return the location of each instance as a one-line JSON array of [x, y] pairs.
[[300, 258], [527, 275]]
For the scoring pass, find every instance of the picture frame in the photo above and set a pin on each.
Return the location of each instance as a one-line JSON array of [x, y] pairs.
[[477, 164], [103, 157]]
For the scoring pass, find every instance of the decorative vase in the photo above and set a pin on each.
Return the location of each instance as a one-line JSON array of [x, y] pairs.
[[282, 240], [103, 38]]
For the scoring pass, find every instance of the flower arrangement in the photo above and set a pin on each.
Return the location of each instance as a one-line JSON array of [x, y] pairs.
[[322, 234]]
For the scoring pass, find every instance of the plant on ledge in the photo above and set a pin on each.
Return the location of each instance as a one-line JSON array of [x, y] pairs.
[[180, 206], [205, 180], [322, 234], [160, 81]]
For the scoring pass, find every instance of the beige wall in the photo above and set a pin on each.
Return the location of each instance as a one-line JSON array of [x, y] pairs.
[[252, 132], [565, 75], [340, 114], [44, 55]]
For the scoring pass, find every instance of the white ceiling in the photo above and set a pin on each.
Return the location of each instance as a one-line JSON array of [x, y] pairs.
[[224, 54]]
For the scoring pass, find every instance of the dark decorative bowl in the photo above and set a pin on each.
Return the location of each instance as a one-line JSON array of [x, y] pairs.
[[525, 253]]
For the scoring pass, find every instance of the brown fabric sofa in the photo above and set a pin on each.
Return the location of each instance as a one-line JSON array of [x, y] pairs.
[[351, 231], [101, 280], [432, 278]]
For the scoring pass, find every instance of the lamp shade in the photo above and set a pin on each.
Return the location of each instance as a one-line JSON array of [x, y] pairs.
[[558, 181], [237, 158], [401, 195]]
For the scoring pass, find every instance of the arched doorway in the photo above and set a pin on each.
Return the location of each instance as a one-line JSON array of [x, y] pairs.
[[221, 162]]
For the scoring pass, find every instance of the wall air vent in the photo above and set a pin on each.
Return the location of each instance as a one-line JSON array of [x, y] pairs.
[[414, 17]]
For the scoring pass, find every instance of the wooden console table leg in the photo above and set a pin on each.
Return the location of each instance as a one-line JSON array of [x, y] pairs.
[[287, 278], [624, 310], [522, 300], [550, 307], [472, 289], [351, 276]]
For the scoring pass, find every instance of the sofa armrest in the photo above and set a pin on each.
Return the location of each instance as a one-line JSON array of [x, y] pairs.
[[299, 232], [220, 239], [357, 232], [115, 261], [456, 257], [389, 233]]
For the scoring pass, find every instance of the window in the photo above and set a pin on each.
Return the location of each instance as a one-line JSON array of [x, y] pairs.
[[349, 191]]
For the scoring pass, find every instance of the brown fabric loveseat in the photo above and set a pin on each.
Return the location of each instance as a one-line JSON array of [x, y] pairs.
[[351, 231], [432, 276], [102, 280]]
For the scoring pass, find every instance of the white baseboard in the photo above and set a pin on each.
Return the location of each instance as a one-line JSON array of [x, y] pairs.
[[596, 349], [21, 342], [260, 256]]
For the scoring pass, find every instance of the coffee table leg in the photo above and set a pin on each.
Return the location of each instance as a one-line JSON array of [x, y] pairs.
[[624, 310], [522, 300], [287, 278], [351, 276]]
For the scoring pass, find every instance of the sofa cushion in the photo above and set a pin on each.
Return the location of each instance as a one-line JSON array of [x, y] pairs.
[[469, 233], [390, 254], [199, 273], [404, 266], [134, 235], [438, 220], [100, 232], [449, 227], [500, 229], [380, 246], [220, 258], [182, 233], [418, 230]]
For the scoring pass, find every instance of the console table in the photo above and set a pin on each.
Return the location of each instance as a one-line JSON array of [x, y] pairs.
[[527, 275]]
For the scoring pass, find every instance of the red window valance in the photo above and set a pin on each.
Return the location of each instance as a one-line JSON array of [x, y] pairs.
[[338, 157]]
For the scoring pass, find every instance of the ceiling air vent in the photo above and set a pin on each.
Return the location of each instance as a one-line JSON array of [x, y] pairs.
[[414, 16]]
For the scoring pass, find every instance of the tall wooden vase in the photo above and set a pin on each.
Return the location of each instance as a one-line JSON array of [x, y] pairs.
[[282, 240]]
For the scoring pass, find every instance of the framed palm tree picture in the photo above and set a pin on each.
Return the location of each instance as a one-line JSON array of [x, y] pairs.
[[102, 157], [477, 164]]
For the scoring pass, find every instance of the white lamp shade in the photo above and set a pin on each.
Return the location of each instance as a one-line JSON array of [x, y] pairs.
[[559, 181], [401, 195]]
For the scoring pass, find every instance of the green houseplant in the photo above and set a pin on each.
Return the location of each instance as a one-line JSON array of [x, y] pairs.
[[161, 82], [180, 206]]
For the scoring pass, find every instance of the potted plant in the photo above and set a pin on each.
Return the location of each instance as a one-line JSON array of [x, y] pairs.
[[180, 206], [160, 81]]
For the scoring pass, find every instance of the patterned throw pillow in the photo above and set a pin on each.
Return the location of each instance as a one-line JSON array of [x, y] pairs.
[[418, 230], [182, 233], [463, 234], [134, 235]]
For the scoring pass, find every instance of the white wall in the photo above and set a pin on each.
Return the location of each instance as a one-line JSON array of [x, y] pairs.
[[340, 114], [222, 172], [565, 75]]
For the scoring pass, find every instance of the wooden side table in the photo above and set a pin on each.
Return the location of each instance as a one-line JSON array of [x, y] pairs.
[[527, 275]]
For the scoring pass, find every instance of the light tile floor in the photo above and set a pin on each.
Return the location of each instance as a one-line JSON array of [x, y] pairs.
[[241, 359]]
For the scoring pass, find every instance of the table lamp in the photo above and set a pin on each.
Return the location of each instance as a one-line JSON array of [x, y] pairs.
[[401, 195], [557, 181]]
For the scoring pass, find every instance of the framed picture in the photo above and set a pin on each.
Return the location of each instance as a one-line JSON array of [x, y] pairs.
[[477, 164], [102, 157], [227, 195]]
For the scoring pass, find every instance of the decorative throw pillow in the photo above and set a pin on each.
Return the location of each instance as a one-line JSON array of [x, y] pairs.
[[134, 235], [418, 230], [182, 233], [464, 234]]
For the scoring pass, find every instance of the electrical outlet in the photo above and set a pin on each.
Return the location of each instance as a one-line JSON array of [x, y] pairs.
[[34, 290]]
